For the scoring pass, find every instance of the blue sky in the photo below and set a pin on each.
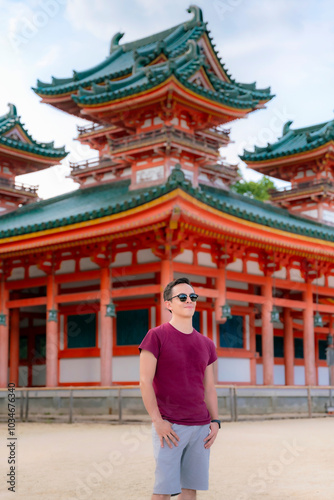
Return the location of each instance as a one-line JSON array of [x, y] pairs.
[[285, 44]]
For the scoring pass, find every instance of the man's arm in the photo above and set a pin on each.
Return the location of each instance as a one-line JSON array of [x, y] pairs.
[[211, 401], [148, 365]]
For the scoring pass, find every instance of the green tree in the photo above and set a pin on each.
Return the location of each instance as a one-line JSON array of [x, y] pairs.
[[258, 190]]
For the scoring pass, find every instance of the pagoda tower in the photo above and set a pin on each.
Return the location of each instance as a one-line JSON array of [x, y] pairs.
[[155, 103], [21, 154], [304, 157]]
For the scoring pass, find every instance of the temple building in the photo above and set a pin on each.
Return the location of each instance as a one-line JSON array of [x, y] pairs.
[[304, 157], [82, 274], [21, 154]]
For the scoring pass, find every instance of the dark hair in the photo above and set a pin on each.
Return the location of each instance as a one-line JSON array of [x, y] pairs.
[[170, 286]]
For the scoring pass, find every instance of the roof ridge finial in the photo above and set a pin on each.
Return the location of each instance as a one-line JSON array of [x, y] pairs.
[[114, 44], [286, 127], [197, 20], [192, 51], [12, 109]]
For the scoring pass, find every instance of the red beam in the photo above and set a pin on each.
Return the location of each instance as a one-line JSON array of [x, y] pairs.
[[77, 297], [35, 301], [293, 304], [135, 291], [26, 283], [245, 297]]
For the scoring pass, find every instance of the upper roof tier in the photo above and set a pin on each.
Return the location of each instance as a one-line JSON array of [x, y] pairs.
[[184, 52], [292, 145], [16, 141]]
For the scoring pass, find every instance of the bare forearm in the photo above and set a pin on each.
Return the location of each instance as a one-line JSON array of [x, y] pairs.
[[211, 402], [150, 401]]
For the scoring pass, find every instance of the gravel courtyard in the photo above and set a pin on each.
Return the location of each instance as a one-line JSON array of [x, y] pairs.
[[279, 460]]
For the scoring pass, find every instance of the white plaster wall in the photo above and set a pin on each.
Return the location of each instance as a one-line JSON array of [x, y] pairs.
[[157, 120], [86, 264], [299, 375], [295, 276], [125, 368], [34, 272], [144, 256], [153, 317], [311, 213], [89, 180], [253, 268], [67, 266], [319, 282], [323, 375], [79, 370], [204, 259], [281, 274], [279, 374], [328, 216], [61, 332], [331, 281], [241, 285], [205, 323], [23, 376], [98, 317], [38, 374], [123, 259], [247, 328], [259, 374], [186, 257], [192, 277], [108, 176], [126, 172], [17, 274], [214, 329], [234, 370], [147, 123], [235, 266]]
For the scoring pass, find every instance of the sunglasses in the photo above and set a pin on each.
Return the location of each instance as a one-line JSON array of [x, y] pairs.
[[183, 297]]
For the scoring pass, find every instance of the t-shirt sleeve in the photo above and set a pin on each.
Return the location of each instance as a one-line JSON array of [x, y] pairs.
[[151, 342], [212, 352]]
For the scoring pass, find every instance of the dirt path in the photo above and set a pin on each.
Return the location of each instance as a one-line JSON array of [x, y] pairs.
[[250, 461]]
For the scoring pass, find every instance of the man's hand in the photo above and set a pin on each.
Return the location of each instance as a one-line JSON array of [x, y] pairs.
[[210, 439], [165, 432]]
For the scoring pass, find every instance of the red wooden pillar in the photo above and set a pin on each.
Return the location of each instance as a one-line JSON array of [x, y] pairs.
[[267, 334], [309, 341], [106, 328], [331, 368], [221, 289], [252, 347], [51, 332], [166, 277], [288, 348], [14, 353], [4, 335]]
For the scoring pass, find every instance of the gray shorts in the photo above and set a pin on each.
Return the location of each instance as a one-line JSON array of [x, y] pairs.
[[185, 465]]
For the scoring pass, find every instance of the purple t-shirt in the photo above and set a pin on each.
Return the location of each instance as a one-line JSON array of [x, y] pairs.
[[179, 378]]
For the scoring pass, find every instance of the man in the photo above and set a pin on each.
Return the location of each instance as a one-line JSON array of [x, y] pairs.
[[178, 391]]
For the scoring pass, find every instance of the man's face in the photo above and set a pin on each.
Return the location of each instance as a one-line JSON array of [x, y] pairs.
[[181, 309]]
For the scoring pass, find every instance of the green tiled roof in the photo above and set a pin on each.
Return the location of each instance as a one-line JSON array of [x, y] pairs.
[[131, 61], [294, 141], [10, 121], [107, 199]]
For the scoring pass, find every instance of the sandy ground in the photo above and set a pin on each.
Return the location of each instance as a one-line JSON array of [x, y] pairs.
[[249, 461]]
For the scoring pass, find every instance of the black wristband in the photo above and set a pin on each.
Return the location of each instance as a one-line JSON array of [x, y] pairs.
[[218, 422]]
